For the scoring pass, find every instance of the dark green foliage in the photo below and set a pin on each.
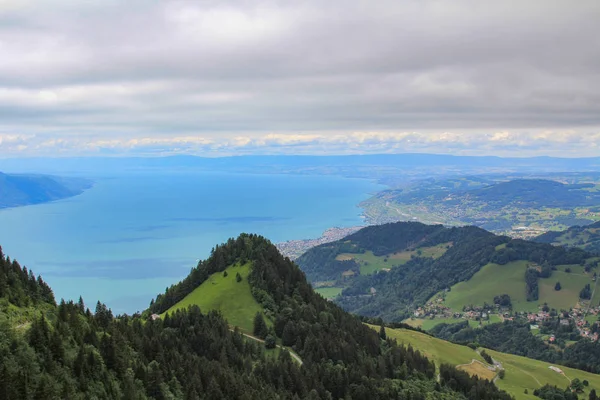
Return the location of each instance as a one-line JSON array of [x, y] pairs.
[[577, 385], [270, 342], [260, 328], [224, 274], [417, 280], [70, 353], [20, 286], [531, 284], [593, 395], [420, 278], [488, 359], [471, 386], [548, 392], [502, 374], [503, 300], [382, 333], [586, 292], [557, 287], [238, 277], [319, 263]]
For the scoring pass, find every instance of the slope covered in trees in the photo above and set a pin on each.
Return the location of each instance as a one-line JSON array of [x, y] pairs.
[[19, 190], [586, 237], [393, 294], [70, 353]]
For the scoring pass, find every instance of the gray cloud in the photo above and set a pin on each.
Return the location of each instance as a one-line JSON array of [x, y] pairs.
[[304, 77]]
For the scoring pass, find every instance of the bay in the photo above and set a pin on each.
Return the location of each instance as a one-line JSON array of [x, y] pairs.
[[133, 234]]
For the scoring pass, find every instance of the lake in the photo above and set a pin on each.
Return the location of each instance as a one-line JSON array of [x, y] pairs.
[[130, 236]]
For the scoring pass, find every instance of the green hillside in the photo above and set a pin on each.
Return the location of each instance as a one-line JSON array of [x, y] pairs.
[[223, 293], [586, 237], [521, 372], [493, 280], [490, 281]]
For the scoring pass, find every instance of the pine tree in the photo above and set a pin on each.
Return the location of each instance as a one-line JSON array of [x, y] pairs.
[[382, 333], [260, 326]]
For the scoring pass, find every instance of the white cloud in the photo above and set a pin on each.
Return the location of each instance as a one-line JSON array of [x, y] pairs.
[[311, 76]]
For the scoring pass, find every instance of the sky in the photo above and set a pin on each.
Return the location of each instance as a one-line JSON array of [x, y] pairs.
[[211, 78]]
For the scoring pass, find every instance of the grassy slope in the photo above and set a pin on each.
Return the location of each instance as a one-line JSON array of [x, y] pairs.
[[329, 292], [234, 299], [370, 263], [492, 280], [427, 324], [495, 279], [521, 372]]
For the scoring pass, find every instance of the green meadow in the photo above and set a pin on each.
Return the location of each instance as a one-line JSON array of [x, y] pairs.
[[428, 323], [329, 292], [521, 373], [493, 279], [233, 299], [370, 263]]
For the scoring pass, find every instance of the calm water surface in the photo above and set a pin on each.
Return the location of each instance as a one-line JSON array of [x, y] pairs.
[[130, 236]]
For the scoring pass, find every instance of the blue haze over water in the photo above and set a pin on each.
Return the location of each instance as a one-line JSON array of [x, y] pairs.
[[130, 236]]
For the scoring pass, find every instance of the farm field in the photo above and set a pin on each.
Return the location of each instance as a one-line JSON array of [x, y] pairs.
[[234, 299], [521, 372]]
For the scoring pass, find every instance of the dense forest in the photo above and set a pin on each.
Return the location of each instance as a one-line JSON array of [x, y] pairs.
[[516, 338], [399, 290], [67, 352]]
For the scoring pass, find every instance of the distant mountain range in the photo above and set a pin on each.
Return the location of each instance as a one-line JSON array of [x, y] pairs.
[[19, 190]]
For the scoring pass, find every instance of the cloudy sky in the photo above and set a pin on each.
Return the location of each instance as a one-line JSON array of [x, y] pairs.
[[299, 77]]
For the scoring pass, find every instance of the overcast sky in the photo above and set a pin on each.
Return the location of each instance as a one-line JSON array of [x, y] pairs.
[[213, 78]]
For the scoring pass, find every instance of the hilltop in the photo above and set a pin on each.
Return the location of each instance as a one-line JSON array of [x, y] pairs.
[[62, 350], [20, 190]]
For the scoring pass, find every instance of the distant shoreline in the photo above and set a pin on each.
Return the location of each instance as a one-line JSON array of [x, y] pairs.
[[295, 248]]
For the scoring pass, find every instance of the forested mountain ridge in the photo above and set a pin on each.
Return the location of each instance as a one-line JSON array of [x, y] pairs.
[[18, 190], [394, 292], [69, 353], [586, 237]]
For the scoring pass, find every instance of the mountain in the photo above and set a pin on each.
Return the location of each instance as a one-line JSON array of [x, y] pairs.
[[19, 190], [586, 237], [52, 351], [390, 270]]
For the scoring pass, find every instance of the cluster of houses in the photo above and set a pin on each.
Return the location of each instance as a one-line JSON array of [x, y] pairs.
[[436, 309]]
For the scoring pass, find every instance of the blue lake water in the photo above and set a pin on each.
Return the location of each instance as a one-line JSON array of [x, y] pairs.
[[130, 236]]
